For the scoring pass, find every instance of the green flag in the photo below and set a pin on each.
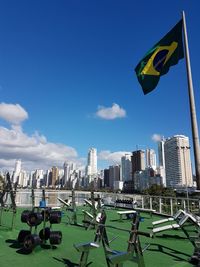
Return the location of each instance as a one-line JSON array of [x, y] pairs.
[[166, 53]]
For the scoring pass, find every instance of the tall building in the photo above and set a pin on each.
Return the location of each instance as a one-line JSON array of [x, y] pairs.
[[31, 179], [160, 170], [55, 175], [72, 166], [126, 168], [150, 158], [23, 179], [92, 162], [178, 162], [144, 179], [161, 161], [66, 175], [106, 178], [161, 153], [17, 171], [101, 179], [47, 176], [38, 178], [138, 161], [114, 175]]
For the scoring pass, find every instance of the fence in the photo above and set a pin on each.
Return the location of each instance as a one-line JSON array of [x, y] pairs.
[[162, 205]]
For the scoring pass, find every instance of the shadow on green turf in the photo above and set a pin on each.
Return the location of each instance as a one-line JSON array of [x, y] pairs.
[[68, 263], [167, 236], [14, 243], [20, 250], [170, 252]]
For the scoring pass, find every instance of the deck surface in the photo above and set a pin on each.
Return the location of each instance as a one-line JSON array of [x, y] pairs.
[[168, 248]]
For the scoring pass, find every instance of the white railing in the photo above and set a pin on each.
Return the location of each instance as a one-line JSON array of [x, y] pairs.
[[162, 205]]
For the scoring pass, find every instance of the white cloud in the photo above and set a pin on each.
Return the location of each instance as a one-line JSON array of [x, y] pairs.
[[156, 137], [111, 113], [7, 164], [112, 157], [35, 151], [13, 113]]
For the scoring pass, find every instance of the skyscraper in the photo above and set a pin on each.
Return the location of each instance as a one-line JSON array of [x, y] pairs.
[[55, 175], [38, 178], [126, 168], [114, 175], [161, 154], [161, 161], [106, 178], [66, 175], [150, 158], [138, 161], [17, 171], [178, 162], [92, 162], [138, 164]]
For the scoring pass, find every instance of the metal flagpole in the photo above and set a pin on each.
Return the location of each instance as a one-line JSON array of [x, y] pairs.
[[194, 125]]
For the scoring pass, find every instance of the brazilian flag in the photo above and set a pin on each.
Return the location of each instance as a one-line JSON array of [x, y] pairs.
[[166, 53]]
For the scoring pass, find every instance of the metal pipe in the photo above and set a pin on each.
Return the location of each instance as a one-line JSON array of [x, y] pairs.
[[193, 117]]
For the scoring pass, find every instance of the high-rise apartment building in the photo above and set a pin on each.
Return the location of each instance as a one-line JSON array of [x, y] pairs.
[[66, 175], [92, 162], [150, 158], [38, 178], [161, 153], [106, 178], [161, 161], [178, 162], [138, 164], [17, 171], [160, 171], [55, 175], [23, 179], [47, 178], [114, 175], [126, 168], [138, 161]]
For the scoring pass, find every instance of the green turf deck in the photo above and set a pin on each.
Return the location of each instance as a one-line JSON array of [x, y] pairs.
[[168, 248]]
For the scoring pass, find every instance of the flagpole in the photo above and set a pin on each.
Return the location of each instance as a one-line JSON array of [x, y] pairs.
[[194, 125]]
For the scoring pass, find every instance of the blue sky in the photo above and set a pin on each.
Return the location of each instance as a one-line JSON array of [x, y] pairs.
[[67, 80]]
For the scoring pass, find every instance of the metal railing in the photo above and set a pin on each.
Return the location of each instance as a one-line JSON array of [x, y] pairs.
[[161, 204]]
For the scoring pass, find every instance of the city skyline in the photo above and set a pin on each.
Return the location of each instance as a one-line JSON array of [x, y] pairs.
[[149, 160], [67, 81], [137, 171]]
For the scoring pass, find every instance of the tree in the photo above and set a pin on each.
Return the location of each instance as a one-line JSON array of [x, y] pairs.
[[159, 190]]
